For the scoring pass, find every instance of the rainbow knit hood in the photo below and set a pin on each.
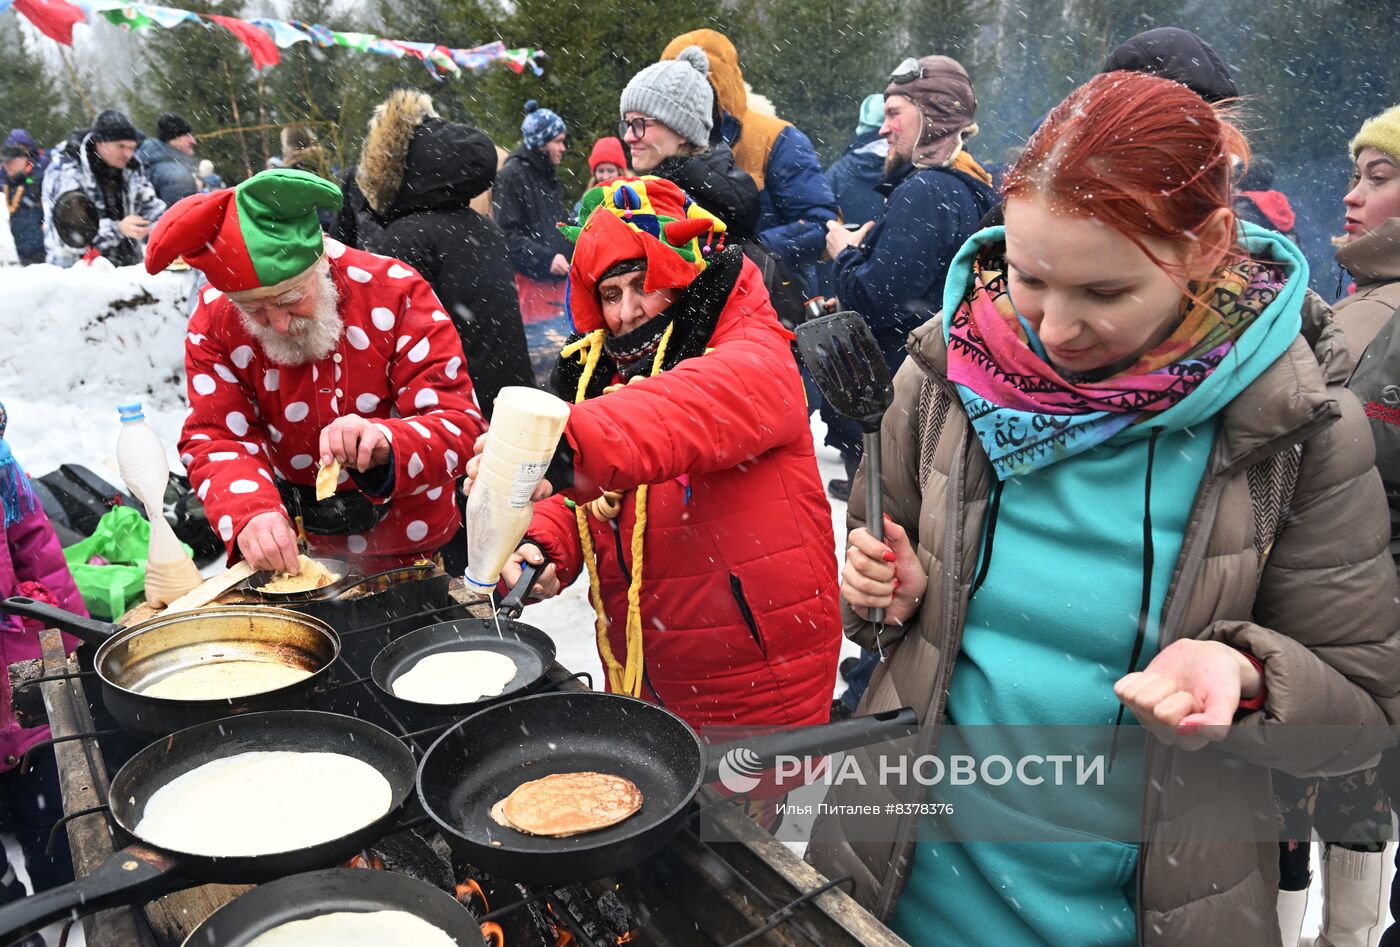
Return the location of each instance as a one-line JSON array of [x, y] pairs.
[[646, 218]]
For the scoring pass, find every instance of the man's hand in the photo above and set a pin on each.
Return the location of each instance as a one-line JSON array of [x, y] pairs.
[[268, 543], [1187, 696], [542, 490], [355, 442], [839, 238], [546, 584], [559, 266], [134, 226]]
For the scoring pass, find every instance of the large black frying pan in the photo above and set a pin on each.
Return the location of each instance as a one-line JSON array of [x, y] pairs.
[[142, 871], [298, 897], [531, 649], [131, 659], [482, 759]]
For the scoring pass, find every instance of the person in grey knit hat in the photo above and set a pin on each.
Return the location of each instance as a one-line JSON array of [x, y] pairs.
[[677, 94], [668, 111]]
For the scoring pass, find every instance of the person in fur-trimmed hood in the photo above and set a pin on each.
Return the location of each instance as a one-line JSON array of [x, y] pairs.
[[418, 175], [689, 485]]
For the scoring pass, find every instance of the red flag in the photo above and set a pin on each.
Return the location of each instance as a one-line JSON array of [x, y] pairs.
[[54, 18], [264, 50]]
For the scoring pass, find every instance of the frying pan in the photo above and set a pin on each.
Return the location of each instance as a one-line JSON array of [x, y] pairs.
[[339, 567], [531, 649], [142, 871], [482, 759], [131, 659], [279, 902]]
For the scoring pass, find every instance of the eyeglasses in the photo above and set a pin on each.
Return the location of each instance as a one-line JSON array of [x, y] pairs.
[[907, 71], [637, 126]]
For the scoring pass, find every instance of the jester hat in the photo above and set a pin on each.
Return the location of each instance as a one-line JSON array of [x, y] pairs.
[[646, 218], [251, 239]]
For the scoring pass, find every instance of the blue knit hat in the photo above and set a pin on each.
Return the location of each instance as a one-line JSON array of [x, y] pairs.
[[872, 113], [541, 126]]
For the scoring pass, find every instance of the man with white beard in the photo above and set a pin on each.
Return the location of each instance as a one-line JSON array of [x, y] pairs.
[[302, 352]]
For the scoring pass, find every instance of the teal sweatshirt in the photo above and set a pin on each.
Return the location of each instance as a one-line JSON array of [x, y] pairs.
[[1047, 634]]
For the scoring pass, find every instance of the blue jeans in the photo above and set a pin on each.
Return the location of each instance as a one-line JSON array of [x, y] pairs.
[[859, 679]]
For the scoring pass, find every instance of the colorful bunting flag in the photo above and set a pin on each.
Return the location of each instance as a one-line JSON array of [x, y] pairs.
[[264, 50], [266, 36], [54, 18], [283, 33]]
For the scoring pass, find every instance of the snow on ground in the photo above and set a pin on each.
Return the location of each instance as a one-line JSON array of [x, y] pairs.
[[77, 343]]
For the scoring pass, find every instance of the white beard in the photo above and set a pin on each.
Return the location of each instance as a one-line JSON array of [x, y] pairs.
[[309, 340]]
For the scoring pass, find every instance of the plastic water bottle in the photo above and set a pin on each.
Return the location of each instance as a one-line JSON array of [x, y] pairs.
[[141, 459], [526, 425]]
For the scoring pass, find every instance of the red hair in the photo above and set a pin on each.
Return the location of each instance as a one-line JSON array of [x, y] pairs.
[[1145, 155]]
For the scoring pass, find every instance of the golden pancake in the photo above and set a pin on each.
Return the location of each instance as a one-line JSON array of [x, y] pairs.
[[311, 576], [569, 804], [326, 479]]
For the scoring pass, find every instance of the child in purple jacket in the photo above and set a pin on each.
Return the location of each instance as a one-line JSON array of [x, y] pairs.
[[32, 564]]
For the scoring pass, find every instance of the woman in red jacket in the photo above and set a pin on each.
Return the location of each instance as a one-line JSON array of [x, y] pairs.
[[693, 497]]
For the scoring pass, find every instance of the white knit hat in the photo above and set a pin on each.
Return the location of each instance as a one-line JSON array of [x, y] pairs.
[[677, 94]]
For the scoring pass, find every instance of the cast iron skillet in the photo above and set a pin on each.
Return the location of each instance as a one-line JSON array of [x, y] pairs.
[[295, 898], [482, 759], [131, 659], [141, 871], [531, 649]]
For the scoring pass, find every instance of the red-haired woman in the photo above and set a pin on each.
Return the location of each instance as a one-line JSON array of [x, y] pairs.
[[1121, 467]]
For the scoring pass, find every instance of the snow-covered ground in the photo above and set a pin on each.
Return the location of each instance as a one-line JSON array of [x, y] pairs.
[[79, 342]]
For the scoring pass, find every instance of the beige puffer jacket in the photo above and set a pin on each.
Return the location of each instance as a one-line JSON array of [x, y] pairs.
[[1314, 598]]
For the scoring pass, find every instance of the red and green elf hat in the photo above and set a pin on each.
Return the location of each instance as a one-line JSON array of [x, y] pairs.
[[253, 238], [646, 218]]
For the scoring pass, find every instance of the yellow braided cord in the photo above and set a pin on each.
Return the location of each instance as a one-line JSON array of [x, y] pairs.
[[622, 679], [593, 342], [632, 678], [613, 667]]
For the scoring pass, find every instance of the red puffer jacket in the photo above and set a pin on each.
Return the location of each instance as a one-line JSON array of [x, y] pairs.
[[739, 604]]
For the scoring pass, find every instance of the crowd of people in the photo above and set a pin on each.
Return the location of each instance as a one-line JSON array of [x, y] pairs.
[[1136, 473]]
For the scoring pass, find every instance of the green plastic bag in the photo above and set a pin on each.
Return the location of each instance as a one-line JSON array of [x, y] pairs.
[[122, 537]]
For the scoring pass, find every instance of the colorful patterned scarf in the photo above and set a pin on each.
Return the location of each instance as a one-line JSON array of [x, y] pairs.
[[17, 496], [1028, 416]]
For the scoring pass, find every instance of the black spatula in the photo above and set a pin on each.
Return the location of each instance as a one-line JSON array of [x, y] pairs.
[[846, 365]]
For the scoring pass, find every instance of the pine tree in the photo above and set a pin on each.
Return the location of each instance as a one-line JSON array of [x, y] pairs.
[[817, 59], [206, 75], [29, 91]]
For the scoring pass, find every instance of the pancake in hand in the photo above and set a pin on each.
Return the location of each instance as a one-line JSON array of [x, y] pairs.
[[568, 804], [327, 477], [308, 578]]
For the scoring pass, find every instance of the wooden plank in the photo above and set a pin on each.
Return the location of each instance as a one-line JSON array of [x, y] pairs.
[[83, 781]]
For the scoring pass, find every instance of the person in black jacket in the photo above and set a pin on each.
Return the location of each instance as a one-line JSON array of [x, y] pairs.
[[667, 114], [528, 201], [415, 177]]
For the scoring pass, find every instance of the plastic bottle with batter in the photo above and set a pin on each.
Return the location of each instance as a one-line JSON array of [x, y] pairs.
[[526, 425], [141, 459]]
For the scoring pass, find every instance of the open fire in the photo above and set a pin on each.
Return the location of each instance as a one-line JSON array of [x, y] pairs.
[[511, 915]]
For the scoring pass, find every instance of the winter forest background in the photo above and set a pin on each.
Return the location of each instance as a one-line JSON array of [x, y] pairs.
[[1310, 71]]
